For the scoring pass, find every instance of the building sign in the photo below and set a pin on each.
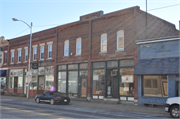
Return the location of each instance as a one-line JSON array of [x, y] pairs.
[[49, 70], [18, 72], [127, 79], [34, 65]]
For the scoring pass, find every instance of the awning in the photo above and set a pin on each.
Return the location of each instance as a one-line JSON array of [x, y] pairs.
[[157, 66], [3, 73]]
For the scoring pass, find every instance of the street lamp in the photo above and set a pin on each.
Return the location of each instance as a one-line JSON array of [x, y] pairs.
[[14, 19]]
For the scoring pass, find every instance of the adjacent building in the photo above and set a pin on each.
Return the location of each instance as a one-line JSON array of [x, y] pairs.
[[94, 57], [158, 69]]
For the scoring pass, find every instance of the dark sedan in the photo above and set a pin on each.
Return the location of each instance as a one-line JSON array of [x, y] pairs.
[[53, 98]]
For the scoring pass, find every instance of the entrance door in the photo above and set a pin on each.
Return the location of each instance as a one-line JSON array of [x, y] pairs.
[[15, 84], [83, 87], [41, 84]]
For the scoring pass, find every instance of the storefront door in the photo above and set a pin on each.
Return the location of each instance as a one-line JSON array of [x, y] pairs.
[[112, 83], [83, 87], [15, 84], [41, 84]]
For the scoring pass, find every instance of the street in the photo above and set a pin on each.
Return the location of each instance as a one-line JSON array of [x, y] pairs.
[[19, 109]]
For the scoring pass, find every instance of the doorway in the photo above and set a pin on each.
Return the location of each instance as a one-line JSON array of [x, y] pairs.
[[83, 87], [15, 84], [41, 85], [112, 83]]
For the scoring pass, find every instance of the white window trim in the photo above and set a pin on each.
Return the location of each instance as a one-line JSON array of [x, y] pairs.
[[42, 44], [48, 51], [4, 57], [120, 34], [35, 46], [11, 56], [25, 48], [19, 49], [103, 37], [65, 44], [50, 43], [40, 51], [78, 40]]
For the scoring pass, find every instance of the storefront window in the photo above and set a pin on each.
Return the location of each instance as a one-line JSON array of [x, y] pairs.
[[155, 85], [127, 81], [11, 82], [62, 82], [98, 81], [83, 66], [72, 81], [62, 67], [33, 83], [49, 82], [72, 66], [99, 65], [20, 82], [112, 64], [3, 82], [83, 73], [126, 63]]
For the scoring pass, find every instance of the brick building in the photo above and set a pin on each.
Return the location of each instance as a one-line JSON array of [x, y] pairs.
[[93, 58]]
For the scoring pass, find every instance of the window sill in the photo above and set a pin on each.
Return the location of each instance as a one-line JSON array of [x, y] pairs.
[[104, 52], [41, 60], [48, 58], [78, 55], [12, 63], [18, 62], [25, 61], [5, 64], [34, 60], [66, 57], [119, 50]]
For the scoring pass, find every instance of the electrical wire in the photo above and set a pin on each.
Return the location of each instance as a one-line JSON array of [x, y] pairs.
[[163, 7], [21, 32]]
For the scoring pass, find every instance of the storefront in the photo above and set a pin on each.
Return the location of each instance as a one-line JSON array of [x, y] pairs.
[[113, 79], [16, 81], [42, 80], [72, 79], [3, 79]]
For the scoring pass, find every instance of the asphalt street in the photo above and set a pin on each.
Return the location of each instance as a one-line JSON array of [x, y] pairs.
[[20, 109]]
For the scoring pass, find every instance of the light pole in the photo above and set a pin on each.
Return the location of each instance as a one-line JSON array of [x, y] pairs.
[[14, 19]]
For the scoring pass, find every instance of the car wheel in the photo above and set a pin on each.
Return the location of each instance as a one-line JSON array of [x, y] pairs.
[[52, 102], [37, 100], [174, 111]]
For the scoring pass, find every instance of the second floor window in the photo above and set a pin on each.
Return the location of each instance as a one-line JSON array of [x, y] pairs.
[[5, 57], [66, 48], [26, 54], [1, 57], [35, 53], [12, 57], [104, 42], [78, 46], [120, 40], [42, 52], [19, 56], [50, 51]]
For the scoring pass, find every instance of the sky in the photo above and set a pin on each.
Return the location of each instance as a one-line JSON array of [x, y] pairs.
[[45, 14]]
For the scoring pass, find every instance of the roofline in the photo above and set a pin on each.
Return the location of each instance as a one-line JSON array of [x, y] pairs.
[[158, 40]]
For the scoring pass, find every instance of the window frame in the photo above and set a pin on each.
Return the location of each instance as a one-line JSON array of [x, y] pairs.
[[25, 49], [34, 47], [49, 44], [42, 46], [19, 54], [12, 52], [103, 37], [5, 57], [2, 57], [120, 34], [78, 41], [66, 43]]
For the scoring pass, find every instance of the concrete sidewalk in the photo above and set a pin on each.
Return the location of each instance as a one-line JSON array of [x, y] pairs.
[[124, 106]]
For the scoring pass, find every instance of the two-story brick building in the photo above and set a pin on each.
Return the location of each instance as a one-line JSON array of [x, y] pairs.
[[94, 57]]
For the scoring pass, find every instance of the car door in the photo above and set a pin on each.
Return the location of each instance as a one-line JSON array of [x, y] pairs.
[[46, 97]]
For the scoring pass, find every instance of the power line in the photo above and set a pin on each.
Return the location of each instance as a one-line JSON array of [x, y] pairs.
[[164, 7], [46, 25], [20, 32]]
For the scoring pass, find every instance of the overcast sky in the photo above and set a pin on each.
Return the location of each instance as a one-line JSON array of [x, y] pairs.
[[46, 14]]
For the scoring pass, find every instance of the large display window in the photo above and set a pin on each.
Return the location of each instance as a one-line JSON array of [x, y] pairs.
[[155, 85], [49, 83], [72, 81], [62, 82], [33, 83], [11, 83]]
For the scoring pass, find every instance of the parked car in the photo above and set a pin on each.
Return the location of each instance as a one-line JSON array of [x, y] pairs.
[[53, 98], [3, 91], [172, 106]]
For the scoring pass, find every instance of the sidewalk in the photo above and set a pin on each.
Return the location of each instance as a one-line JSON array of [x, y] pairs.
[[124, 106]]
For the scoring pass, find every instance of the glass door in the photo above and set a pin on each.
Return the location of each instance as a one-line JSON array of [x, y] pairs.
[[41, 84], [83, 87]]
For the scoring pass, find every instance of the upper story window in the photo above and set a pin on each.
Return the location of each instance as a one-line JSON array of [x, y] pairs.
[[66, 48], [19, 54], [104, 42], [120, 40], [26, 54], [50, 49], [12, 56], [1, 57], [5, 57], [78, 46], [35, 52], [42, 51]]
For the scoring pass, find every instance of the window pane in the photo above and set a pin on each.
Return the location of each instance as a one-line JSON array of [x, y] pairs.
[[126, 63], [11, 82], [50, 54], [62, 82], [84, 66], [120, 42], [155, 86], [98, 81], [73, 66], [84, 73], [67, 52], [42, 49], [104, 48], [42, 55], [50, 48], [126, 71], [0, 54], [112, 64], [49, 82], [99, 65], [62, 67], [73, 81], [20, 82], [33, 83]]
